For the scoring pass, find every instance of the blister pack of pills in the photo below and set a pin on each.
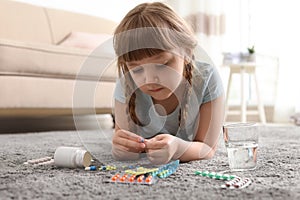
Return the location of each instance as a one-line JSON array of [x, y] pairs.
[[232, 181], [145, 179], [237, 183], [40, 161], [145, 175], [214, 175]]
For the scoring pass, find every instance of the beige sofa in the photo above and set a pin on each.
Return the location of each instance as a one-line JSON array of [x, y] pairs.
[[37, 73]]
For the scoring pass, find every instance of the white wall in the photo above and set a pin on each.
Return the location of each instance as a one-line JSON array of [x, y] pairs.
[[111, 9]]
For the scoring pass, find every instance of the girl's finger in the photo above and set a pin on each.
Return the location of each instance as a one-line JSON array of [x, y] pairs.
[[129, 143], [155, 144], [129, 135], [120, 148]]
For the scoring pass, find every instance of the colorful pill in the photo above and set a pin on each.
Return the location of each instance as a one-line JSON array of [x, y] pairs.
[[141, 140], [205, 173], [225, 177], [131, 178], [148, 179], [39, 160], [140, 179], [115, 177], [232, 182], [211, 174], [218, 176], [90, 168], [232, 177], [123, 178], [243, 183], [198, 172]]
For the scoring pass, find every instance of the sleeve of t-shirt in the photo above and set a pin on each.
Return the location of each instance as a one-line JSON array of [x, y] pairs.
[[214, 86], [119, 93]]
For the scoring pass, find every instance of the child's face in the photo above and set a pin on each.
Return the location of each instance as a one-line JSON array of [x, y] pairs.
[[159, 75]]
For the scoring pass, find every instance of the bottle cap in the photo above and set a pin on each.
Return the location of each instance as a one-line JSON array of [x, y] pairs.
[[83, 158]]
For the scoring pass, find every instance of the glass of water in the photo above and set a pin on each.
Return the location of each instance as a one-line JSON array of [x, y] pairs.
[[241, 141]]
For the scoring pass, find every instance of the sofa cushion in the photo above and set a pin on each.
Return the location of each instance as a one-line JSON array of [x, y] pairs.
[[84, 40], [62, 23], [44, 60], [34, 92]]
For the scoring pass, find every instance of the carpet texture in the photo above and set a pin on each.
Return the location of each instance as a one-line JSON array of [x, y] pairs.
[[276, 177]]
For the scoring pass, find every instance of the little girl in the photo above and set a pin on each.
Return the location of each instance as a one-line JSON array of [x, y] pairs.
[[167, 105]]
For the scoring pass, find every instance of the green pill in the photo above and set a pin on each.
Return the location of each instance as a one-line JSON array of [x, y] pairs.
[[211, 174], [232, 177], [218, 176], [225, 177], [205, 173], [198, 172]]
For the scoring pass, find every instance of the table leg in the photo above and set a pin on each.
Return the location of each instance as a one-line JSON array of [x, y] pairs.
[[260, 105], [227, 95], [243, 99]]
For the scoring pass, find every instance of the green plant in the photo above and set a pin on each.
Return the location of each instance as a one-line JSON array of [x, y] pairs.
[[251, 50]]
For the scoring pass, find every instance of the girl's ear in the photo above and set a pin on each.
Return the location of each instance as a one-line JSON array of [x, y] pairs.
[[186, 61], [188, 56]]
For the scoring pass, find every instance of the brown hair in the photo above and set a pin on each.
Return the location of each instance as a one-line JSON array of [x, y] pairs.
[[149, 29]]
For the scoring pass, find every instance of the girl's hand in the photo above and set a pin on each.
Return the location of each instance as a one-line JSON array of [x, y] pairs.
[[162, 148], [127, 145]]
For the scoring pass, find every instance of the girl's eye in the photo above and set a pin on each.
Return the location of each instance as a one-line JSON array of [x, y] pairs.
[[162, 65], [137, 70]]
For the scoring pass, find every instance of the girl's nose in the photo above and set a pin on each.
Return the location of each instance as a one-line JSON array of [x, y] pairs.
[[151, 76]]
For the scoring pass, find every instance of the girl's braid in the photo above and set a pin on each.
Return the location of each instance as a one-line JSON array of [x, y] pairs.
[[188, 74], [130, 110]]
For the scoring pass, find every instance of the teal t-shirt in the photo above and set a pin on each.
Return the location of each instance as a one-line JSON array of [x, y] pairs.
[[206, 86]]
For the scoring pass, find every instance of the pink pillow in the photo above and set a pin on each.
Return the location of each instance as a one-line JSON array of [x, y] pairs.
[[84, 40]]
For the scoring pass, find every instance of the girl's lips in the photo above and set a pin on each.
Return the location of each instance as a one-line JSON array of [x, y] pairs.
[[156, 90]]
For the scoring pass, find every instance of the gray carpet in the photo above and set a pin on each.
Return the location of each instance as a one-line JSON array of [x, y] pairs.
[[276, 177]]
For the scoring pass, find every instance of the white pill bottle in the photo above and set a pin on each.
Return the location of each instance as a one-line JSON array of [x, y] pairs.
[[72, 157]]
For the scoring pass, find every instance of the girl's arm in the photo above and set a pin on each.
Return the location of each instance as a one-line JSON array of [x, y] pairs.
[[206, 140], [164, 147], [125, 144]]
